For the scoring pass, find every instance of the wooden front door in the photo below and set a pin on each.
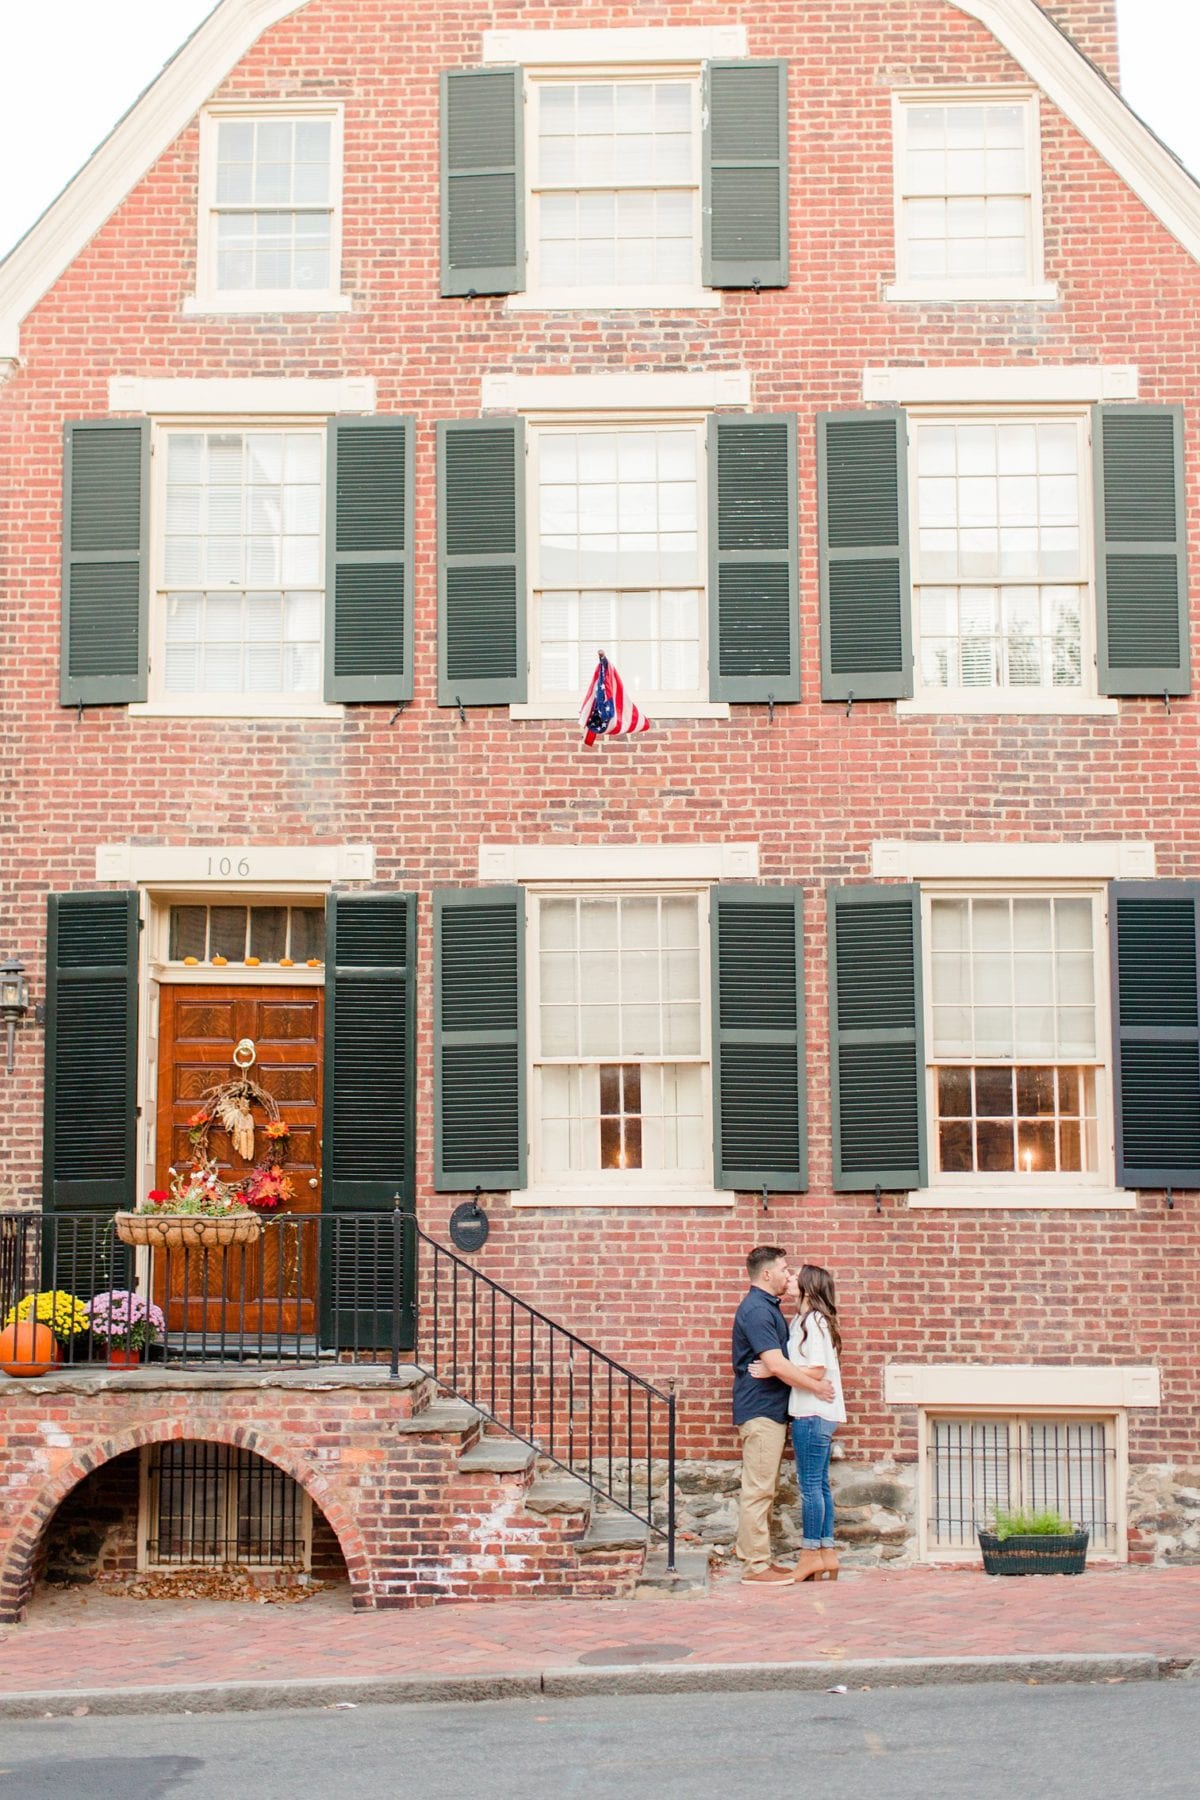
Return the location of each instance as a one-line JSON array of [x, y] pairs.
[[272, 1287]]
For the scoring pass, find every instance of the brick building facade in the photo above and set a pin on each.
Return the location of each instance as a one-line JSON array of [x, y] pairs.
[[834, 370]]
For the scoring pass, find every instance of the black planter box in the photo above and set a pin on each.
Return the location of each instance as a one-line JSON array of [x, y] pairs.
[[1034, 1555]]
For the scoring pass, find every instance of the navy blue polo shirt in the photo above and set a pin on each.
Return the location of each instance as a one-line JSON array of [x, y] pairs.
[[758, 1325]]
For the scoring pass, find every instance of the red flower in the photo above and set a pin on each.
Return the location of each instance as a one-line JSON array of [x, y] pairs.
[[158, 1195]]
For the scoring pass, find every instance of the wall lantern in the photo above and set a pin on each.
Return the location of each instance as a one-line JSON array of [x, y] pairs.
[[14, 1000]]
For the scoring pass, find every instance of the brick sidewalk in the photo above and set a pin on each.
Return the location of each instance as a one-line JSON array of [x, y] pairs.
[[83, 1639]]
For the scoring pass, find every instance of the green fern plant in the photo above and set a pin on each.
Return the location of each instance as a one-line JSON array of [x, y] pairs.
[[1021, 1523]]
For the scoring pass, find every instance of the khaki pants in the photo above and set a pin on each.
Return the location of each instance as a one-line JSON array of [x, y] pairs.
[[763, 1442]]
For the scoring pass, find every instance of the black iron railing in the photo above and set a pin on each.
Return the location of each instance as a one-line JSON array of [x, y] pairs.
[[311, 1288], [574, 1404], [360, 1286]]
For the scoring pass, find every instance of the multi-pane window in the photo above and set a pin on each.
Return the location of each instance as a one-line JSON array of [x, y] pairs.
[[620, 1052], [271, 213], [619, 560], [241, 573], [1000, 556], [616, 184], [284, 936], [975, 1466], [1015, 1043], [967, 191]]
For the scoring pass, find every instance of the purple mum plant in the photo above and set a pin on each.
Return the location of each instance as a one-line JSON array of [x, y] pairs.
[[125, 1319]]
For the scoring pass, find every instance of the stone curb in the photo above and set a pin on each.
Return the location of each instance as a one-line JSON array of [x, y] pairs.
[[577, 1683]]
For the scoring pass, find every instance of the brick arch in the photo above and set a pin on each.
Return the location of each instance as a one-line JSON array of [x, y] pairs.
[[16, 1566]]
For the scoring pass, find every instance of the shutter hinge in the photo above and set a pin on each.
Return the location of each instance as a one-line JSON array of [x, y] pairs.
[[878, 1201], [849, 703], [397, 712], [1167, 702], [462, 711], [765, 1207], [79, 713]]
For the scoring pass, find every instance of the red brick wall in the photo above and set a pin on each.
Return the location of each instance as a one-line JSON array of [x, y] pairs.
[[412, 1526], [813, 788], [1092, 24]]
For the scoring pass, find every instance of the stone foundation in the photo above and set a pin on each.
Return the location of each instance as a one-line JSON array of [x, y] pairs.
[[876, 1508], [1164, 1514]]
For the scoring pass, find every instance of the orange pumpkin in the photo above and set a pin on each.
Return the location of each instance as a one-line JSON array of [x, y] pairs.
[[28, 1349]]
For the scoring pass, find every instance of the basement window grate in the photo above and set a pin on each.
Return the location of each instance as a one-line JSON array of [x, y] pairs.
[[213, 1506]]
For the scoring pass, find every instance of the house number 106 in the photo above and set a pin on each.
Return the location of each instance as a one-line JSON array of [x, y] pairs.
[[225, 865]]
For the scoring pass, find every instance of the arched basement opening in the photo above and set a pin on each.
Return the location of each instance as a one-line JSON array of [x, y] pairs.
[[167, 1513]]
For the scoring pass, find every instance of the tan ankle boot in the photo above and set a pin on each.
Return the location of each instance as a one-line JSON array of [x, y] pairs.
[[829, 1562], [811, 1566]]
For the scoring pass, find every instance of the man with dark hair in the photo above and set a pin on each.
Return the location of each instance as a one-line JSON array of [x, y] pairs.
[[760, 1407]]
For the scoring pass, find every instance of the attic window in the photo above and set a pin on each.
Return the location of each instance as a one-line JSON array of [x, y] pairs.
[[270, 201], [968, 196]]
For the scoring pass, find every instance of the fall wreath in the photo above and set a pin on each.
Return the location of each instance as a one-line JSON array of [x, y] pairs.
[[230, 1105]]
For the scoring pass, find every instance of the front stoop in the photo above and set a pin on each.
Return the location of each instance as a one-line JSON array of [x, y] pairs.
[[499, 1524]]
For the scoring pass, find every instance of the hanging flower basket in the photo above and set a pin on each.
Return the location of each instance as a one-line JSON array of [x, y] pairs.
[[178, 1231]]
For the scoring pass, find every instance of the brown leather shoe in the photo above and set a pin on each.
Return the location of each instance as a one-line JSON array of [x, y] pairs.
[[829, 1558], [771, 1577]]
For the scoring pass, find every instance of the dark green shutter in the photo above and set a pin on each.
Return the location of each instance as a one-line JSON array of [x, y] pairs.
[[479, 1039], [1156, 1032], [877, 1038], [481, 562], [369, 560], [1141, 550], [752, 557], [370, 1110], [90, 1140], [106, 489], [866, 599], [745, 174], [759, 1119], [483, 182]]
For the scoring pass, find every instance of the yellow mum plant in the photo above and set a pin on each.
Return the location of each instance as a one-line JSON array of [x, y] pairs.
[[63, 1313]]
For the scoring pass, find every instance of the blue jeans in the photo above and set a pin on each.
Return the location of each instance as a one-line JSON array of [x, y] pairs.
[[812, 1441]]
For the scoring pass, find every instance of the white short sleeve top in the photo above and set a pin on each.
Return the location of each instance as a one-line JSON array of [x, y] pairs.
[[809, 1342]]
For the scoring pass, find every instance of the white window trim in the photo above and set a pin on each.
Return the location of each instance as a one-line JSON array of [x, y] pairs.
[[689, 297], [1022, 1387], [1100, 859], [539, 706], [622, 44], [248, 707], [1076, 1192], [633, 1188], [235, 868], [208, 298], [1080, 702], [1115, 1418], [672, 864], [615, 393], [1001, 384], [951, 289], [242, 397]]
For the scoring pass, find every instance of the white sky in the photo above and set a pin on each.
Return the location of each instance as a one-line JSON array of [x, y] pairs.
[[70, 76]]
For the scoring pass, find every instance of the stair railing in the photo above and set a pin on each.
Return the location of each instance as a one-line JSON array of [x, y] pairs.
[[575, 1405]]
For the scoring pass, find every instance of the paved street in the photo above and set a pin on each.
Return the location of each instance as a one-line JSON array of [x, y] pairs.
[[69, 1638], [989, 1743]]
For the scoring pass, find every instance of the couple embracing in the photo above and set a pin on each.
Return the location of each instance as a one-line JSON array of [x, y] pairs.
[[785, 1376]]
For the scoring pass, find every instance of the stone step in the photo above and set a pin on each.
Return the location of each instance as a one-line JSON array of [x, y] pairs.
[[441, 1418], [690, 1573], [613, 1531], [559, 1493], [497, 1456]]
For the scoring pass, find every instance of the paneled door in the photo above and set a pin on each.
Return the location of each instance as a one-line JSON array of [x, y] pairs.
[[198, 1029]]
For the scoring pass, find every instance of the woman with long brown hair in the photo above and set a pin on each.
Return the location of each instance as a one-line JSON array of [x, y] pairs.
[[813, 1344]]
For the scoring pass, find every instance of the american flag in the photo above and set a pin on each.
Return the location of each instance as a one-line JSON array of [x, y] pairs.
[[607, 709]]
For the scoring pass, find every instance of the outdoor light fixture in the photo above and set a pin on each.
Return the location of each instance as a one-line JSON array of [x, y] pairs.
[[14, 1000]]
